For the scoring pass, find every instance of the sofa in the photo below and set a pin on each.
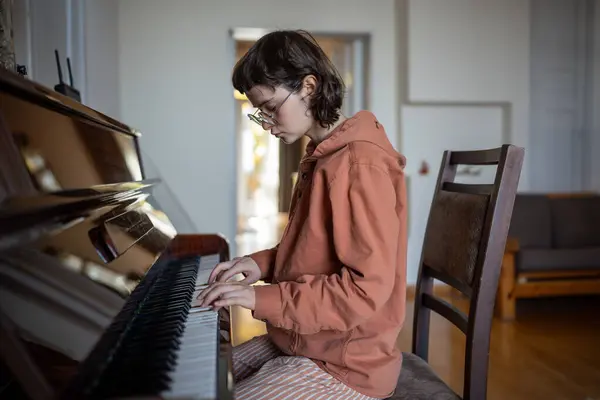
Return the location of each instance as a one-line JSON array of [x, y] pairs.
[[553, 249]]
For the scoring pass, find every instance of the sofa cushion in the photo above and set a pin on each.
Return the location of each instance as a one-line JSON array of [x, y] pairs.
[[576, 222], [529, 260], [531, 221]]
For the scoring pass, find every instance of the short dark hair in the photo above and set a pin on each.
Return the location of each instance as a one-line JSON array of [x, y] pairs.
[[285, 58]]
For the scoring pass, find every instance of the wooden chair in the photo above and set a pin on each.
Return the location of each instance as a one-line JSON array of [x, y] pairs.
[[464, 244]]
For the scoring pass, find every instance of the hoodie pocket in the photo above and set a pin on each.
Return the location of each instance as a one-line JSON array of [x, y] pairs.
[[327, 346]]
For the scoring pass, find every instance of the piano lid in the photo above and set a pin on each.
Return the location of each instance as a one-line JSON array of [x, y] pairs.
[[78, 227], [62, 149]]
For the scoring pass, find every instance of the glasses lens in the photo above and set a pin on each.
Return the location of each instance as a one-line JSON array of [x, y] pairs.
[[254, 118], [261, 120]]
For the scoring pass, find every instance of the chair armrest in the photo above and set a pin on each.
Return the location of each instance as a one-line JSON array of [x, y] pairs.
[[512, 245]]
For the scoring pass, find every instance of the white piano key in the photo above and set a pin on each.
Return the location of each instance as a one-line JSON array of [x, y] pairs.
[[203, 276], [195, 373], [207, 263]]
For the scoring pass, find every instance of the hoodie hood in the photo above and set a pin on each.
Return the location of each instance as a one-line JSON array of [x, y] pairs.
[[363, 126]]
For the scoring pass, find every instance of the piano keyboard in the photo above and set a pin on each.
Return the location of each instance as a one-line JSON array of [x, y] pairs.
[[195, 372], [169, 348]]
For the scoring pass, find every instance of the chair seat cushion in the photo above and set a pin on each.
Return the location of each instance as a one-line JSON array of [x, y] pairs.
[[418, 381]]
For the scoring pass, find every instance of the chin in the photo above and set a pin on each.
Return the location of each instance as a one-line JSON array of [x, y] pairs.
[[288, 139]]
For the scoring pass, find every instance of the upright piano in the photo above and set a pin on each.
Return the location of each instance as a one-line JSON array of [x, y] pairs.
[[97, 288]]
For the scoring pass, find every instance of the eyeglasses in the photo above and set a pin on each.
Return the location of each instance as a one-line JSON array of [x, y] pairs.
[[265, 119]]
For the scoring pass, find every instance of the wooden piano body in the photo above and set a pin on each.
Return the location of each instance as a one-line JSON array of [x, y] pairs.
[[80, 232]]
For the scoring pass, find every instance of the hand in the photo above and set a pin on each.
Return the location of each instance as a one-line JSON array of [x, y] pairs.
[[228, 269], [220, 295]]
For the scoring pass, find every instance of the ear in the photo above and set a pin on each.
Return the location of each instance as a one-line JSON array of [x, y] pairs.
[[309, 86]]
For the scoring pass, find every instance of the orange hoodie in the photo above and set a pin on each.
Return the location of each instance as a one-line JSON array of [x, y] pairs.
[[338, 275]]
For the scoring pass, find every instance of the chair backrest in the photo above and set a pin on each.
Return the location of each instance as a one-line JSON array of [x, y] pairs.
[[463, 247]]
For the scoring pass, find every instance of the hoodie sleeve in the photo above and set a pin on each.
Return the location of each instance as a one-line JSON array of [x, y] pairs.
[[265, 259], [365, 235]]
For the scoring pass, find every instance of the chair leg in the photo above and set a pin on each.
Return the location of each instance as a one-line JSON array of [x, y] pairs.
[[505, 300]]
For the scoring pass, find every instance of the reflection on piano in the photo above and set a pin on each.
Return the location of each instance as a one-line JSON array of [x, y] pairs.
[[97, 289]]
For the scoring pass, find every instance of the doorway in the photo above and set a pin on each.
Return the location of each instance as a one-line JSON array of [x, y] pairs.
[[266, 167]]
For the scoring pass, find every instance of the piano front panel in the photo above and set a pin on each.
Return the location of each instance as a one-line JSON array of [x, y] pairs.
[[200, 244]]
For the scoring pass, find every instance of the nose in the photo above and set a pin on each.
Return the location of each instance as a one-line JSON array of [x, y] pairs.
[[267, 126]]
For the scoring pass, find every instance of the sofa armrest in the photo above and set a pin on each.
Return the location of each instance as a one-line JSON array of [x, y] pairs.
[[505, 301]]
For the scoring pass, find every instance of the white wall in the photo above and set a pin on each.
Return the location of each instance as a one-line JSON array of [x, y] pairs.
[[21, 32], [465, 75], [431, 130], [42, 26], [49, 32], [86, 31], [175, 63], [475, 52], [164, 67], [176, 58], [101, 36]]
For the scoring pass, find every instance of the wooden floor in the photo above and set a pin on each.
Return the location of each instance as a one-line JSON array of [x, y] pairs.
[[551, 352]]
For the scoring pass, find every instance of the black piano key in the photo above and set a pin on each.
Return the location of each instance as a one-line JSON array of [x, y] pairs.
[[158, 302], [170, 317]]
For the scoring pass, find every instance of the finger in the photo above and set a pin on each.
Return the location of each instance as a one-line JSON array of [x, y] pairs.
[[216, 271], [231, 272], [216, 293], [219, 268], [211, 288], [228, 273], [209, 297], [233, 293], [207, 290], [248, 280], [231, 301], [204, 292], [224, 266]]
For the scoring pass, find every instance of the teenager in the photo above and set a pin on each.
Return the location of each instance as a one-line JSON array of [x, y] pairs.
[[335, 300]]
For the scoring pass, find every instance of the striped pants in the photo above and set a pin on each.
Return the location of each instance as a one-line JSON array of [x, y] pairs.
[[262, 371]]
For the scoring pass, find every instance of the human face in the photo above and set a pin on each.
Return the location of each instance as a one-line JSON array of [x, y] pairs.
[[281, 111]]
